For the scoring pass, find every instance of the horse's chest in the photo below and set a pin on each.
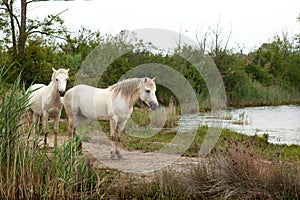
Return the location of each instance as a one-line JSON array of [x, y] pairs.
[[53, 108], [53, 111], [122, 112]]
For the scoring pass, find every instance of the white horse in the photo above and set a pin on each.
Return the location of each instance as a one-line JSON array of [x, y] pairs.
[[45, 101], [114, 103]]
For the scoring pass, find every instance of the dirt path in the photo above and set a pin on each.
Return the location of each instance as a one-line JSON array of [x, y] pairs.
[[137, 162]]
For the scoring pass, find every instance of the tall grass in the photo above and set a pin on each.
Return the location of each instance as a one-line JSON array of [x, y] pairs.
[[236, 174], [252, 93], [239, 174], [28, 172], [255, 94]]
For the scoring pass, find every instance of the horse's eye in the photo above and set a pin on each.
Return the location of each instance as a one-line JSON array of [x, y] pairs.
[[56, 79], [147, 91]]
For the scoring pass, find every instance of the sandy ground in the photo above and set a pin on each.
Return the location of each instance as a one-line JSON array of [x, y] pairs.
[[137, 162]]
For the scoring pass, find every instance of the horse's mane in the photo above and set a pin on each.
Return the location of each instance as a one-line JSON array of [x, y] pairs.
[[129, 86]]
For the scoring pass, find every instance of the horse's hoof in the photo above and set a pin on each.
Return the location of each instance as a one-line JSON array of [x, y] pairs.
[[115, 155], [112, 138], [118, 153]]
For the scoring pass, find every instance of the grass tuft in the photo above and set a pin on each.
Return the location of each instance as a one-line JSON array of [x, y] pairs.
[[240, 174]]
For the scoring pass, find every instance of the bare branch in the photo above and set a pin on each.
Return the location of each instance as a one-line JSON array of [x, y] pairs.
[[8, 8], [55, 16], [46, 33], [202, 39], [30, 1], [228, 38]]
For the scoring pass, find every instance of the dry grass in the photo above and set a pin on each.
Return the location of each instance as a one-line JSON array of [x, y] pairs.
[[238, 174]]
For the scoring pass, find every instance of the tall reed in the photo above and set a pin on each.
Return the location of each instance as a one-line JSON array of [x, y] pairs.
[[28, 172], [255, 94]]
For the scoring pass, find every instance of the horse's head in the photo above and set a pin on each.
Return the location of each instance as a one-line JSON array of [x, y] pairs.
[[60, 78], [147, 93]]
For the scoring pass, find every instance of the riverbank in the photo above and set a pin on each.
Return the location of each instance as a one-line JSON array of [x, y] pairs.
[[267, 97], [279, 122], [239, 166], [259, 144]]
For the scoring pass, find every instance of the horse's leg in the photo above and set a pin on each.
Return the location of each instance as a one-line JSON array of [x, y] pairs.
[[56, 124], [70, 121], [116, 154], [73, 118], [113, 127], [67, 121], [35, 119], [75, 122], [71, 128], [46, 128], [120, 128], [29, 117]]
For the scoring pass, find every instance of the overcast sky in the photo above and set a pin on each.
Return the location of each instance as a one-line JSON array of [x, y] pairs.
[[251, 22]]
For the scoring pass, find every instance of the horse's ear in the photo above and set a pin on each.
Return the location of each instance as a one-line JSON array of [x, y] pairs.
[[145, 79], [54, 70], [68, 70], [153, 78]]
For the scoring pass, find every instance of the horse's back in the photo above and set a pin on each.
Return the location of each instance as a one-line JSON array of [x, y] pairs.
[[79, 93], [35, 97], [91, 102]]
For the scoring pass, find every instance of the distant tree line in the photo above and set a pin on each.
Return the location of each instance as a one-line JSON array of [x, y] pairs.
[[268, 75]]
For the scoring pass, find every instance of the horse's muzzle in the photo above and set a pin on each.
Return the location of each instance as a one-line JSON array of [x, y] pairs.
[[62, 93], [153, 105]]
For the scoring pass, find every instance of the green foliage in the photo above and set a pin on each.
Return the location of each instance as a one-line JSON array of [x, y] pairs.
[[38, 62], [259, 74], [277, 59], [268, 75]]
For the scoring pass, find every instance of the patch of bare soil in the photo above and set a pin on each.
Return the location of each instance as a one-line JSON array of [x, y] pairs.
[[100, 150]]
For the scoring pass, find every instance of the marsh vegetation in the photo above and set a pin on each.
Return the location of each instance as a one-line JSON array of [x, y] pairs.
[[238, 167]]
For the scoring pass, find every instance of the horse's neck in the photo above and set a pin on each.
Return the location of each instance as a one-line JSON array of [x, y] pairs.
[[134, 98], [130, 99], [53, 91]]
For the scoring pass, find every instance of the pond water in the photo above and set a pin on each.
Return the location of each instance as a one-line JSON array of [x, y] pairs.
[[281, 123]]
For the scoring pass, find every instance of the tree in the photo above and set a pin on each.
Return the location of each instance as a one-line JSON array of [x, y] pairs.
[[20, 27], [298, 35]]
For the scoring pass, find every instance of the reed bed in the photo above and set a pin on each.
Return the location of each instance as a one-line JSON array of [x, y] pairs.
[[30, 172]]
